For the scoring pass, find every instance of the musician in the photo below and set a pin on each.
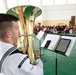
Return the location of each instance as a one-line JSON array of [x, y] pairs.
[[15, 63]]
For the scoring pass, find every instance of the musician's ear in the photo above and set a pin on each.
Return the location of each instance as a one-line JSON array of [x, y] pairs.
[[8, 34]]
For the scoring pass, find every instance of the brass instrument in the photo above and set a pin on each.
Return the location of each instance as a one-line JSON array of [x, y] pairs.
[[27, 15]]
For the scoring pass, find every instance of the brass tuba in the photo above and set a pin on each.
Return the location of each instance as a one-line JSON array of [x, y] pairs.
[[27, 15]]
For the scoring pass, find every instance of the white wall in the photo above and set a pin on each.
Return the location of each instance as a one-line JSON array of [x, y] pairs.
[[57, 12]]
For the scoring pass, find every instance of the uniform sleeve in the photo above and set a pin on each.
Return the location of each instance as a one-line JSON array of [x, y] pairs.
[[29, 69], [39, 63]]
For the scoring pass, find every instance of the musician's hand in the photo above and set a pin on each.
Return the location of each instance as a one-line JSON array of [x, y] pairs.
[[37, 54]]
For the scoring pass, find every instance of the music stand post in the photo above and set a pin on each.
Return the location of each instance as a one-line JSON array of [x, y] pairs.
[[56, 62], [39, 37], [40, 47]]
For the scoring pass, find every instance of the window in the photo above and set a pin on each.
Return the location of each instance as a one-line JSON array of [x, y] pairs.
[[71, 1], [11, 3], [46, 3], [23, 2], [59, 2], [35, 2], [2, 5]]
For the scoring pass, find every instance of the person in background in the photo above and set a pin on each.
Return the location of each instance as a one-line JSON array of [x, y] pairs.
[[70, 24], [9, 33]]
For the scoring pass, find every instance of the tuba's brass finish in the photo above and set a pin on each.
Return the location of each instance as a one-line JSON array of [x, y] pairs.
[[27, 15]]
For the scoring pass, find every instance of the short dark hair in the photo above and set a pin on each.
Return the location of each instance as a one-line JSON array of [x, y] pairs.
[[7, 17], [6, 22]]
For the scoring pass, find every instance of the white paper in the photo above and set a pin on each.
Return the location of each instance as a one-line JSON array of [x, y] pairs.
[[54, 40], [40, 35]]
